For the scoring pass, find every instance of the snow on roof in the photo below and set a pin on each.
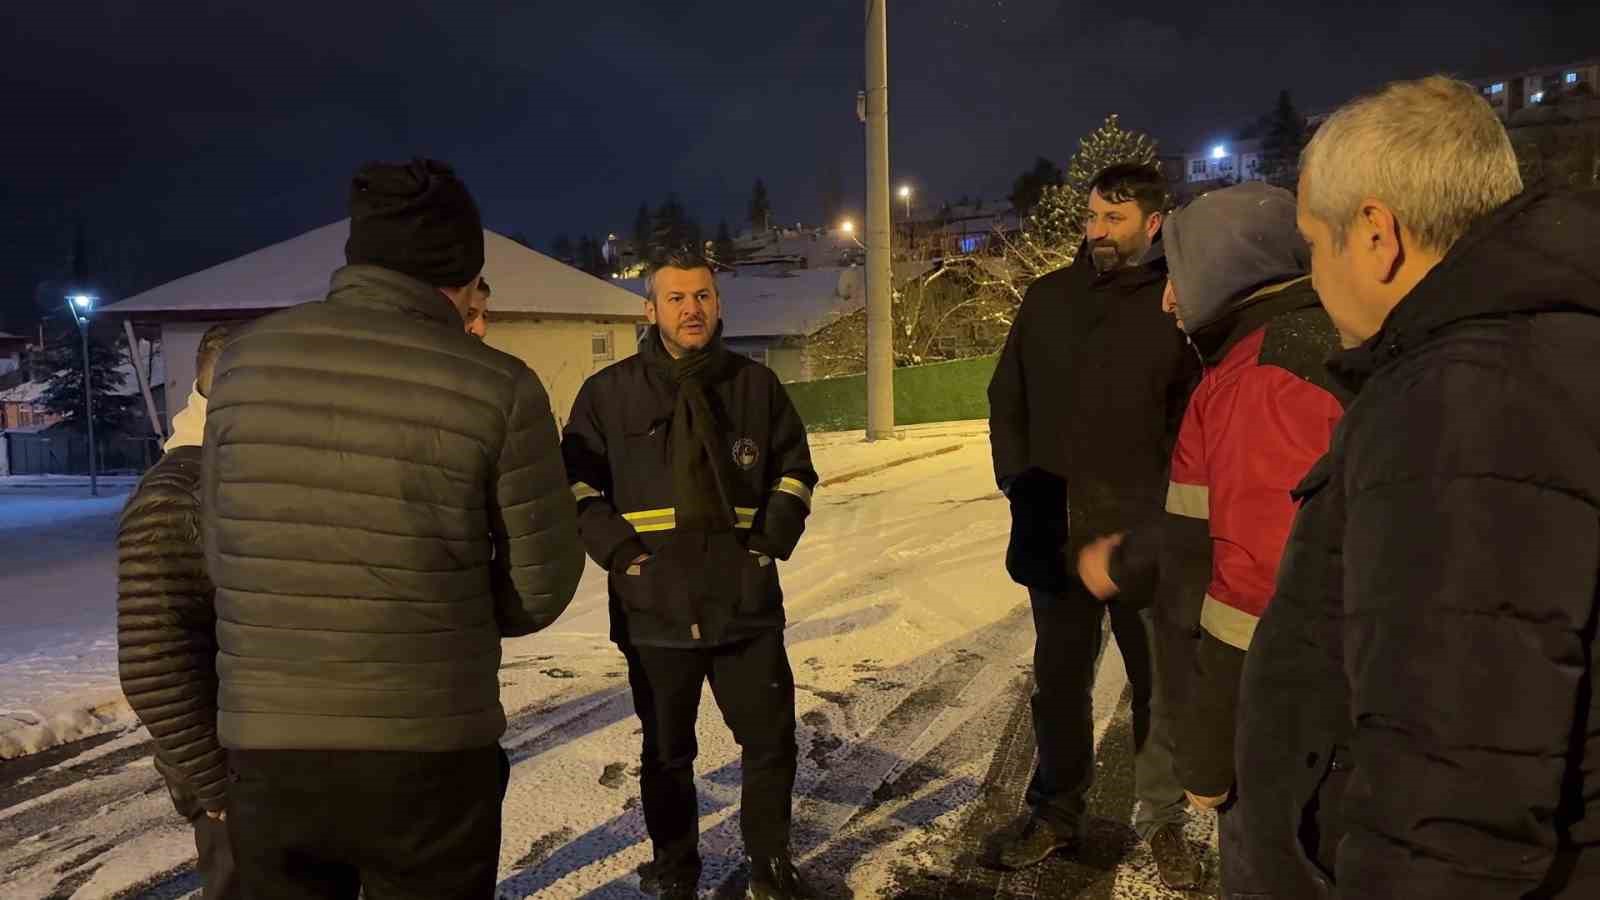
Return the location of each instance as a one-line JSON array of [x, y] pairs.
[[298, 270], [792, 305]]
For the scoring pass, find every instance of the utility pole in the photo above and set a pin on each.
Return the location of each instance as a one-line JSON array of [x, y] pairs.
[[880, 281]]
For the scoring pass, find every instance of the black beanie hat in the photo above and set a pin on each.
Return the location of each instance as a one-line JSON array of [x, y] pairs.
[[417, 219]]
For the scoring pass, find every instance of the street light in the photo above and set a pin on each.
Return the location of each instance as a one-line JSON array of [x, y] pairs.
[[1219, 152], [80, 305], [848, 227], [905, 194]]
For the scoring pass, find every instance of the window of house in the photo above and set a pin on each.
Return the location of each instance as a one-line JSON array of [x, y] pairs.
[[1536, 97], [1225, 164], [1499, 87], [600, 344], [1197, 167], [972, 243], [1572, 78]]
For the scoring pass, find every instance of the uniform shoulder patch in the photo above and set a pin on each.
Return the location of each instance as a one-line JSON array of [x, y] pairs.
[[745, 453]]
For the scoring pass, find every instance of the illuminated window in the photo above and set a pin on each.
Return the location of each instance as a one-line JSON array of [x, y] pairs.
[[1537, 97], [1499, 87], [1572, 78]]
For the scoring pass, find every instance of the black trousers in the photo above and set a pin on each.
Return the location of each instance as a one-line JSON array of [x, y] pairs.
[[334, 825], [219, 880], [754, 688], [1068, 634]]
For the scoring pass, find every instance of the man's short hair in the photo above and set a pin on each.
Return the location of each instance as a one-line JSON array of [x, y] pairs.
[[212, 344], [1142, 184], [686, 258], [483, 285], [1432, 149]]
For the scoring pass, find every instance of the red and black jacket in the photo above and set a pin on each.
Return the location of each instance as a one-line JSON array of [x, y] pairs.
[[1262, 415], [696, 589]]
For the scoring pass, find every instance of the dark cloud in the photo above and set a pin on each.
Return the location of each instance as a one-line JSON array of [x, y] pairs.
[[185, 133]]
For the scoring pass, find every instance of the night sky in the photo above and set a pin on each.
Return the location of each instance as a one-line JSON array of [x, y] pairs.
[[182, 139]]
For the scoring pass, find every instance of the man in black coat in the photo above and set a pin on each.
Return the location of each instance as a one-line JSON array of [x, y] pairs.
[[1419, 716], [693, 478], [166, 631], [1084, 410], [384, 502]]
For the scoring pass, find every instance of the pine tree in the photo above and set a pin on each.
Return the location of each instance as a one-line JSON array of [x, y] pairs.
[[1285, 138], [114, 411], [760, 208], [643, 229], [562, 248], [1056, 223], [1030, 185], [724, 251], [672, 229]]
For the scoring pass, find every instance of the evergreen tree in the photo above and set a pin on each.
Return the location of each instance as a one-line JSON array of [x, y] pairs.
[[672, 229], [562, 248], [724, 251], [1030, 185], [643, 230], [114, 411], [1056, 223], [760, 207], [1285, 131]]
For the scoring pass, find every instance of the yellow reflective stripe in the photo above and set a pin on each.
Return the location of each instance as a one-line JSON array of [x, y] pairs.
[[652, 520], [582, 492], [1189, 500], [1233, 627], [796, 488]]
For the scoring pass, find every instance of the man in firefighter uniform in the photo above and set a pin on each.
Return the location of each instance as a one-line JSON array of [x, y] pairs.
[[693, 479]]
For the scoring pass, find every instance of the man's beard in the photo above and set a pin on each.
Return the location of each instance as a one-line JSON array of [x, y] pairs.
[[1109, 256]]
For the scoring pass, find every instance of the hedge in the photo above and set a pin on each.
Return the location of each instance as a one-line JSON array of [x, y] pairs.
[[942, 392]]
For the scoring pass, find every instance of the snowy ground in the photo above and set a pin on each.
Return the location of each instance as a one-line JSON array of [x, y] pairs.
[[58, 652], [911, 650]]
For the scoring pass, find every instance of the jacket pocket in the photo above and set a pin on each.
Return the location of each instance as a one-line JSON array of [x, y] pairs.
[[660, 587], [759, 594], [1321, 826]]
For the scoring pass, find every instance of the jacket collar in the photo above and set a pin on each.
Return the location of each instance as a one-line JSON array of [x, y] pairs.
[[1215, 340], [1533, 255], [377, 287]]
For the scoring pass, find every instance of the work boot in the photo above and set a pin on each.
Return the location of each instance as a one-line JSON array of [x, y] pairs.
[[776, 878], [678, 889], [1176, 861], [655, 880], [1026, 842]]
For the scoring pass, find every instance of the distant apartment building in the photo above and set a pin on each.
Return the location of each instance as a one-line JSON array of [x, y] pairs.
[[1511, 94]]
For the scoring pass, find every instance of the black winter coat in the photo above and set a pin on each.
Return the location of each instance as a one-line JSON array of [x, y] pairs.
[[1428, 668], [696, 590], [1084, 408], [384, 501], [166, 630]]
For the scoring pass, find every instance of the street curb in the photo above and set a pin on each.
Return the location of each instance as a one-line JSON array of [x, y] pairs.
[[873, 470]]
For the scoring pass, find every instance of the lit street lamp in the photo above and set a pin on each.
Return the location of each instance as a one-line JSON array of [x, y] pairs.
[[80, 305], [848, 227], [905, 194]]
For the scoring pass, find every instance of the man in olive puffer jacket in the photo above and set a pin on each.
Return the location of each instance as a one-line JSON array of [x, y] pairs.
[[166, 631], [384, 501]]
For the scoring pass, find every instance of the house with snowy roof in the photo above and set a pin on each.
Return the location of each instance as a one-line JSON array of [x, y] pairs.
[[565, 324]]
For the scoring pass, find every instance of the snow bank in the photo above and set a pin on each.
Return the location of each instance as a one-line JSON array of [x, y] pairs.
[[26, 731]]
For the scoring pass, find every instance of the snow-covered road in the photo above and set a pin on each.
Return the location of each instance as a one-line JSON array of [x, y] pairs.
[[911, 650]]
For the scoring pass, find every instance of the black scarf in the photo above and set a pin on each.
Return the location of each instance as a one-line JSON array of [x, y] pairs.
[[698, 477]]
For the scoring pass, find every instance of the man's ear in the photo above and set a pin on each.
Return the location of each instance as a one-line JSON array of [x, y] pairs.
[[650, 311], [1379, 235], [1152, 227]]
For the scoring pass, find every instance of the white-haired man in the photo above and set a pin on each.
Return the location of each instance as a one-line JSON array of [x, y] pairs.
[[1419, 716]]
